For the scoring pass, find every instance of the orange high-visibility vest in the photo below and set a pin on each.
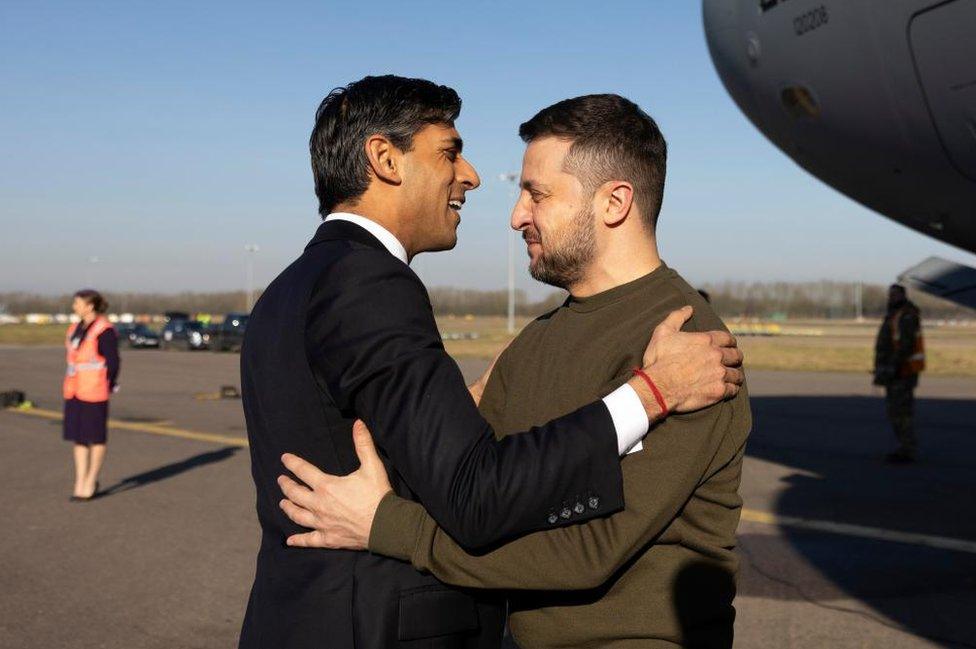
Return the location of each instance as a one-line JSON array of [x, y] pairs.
[[86, 378], [916, 362]]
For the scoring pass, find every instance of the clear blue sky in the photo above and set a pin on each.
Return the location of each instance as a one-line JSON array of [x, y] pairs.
[[163, 137]]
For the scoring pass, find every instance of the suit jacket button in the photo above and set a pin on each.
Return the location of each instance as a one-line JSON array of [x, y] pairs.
[[552, 518], [579, 508], [593, 502], [566, 512]]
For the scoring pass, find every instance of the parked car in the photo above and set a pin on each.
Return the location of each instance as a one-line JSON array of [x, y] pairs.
[[123, 329], [185, 334], [136, 336], [198, 335], [176, 315], [229, 334]]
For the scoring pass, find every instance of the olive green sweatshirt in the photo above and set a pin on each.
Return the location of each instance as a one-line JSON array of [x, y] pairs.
[[661, 572]]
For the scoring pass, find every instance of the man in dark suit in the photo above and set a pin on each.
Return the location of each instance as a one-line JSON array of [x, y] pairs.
[[347, 332]]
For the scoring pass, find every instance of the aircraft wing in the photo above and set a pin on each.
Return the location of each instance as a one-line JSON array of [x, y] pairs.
[[943, 278]]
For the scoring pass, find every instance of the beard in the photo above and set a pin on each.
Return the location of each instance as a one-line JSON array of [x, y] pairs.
[[565, 257]]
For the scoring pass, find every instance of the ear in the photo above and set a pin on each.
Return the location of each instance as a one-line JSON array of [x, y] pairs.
[[615, 202], [384, 159]]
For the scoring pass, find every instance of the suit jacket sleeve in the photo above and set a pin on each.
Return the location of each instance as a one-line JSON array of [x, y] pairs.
[[658, 481], [373, 341]]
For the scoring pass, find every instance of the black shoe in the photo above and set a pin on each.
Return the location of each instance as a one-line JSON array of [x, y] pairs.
[[82, 499]]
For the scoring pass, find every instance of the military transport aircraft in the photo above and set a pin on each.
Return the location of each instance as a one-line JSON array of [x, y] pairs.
[[877, 98]]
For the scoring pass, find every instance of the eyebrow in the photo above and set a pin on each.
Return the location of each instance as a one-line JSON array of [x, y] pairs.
[[528, 185], [455, 142]]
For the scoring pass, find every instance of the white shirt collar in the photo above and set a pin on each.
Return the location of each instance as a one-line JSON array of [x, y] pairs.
[[389, 241]]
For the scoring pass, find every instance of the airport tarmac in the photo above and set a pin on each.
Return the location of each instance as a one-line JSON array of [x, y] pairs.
[[838, 549]]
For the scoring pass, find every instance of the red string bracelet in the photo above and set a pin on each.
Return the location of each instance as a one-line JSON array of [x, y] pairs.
[[657, 393]]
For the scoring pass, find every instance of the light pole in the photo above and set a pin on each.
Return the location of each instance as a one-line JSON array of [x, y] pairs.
[[250, 250], [511, 178]]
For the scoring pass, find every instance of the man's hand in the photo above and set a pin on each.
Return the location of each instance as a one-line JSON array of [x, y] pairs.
[[691, 370], [339, 510], [477, 389]]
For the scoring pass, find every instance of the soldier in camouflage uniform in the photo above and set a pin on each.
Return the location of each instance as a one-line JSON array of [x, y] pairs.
[[898, 359]]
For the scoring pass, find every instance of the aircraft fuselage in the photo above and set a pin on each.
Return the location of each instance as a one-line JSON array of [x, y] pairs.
[[877, 98]]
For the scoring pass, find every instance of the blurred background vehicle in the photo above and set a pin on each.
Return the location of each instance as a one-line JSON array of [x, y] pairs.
[[229, 334], [137, 336], [185, 334], [176, 315], [123, 329], [198, 335]]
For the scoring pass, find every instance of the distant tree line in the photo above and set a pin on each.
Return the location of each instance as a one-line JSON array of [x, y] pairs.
[[150, 303], [460, 301], [444, 300], [824, 299], [819, 300]]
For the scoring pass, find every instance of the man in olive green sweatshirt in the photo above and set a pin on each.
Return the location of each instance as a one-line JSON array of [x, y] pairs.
[[661, 572]]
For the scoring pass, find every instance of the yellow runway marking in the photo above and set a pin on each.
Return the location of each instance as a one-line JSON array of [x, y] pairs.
[[861, 531], [154, 429]]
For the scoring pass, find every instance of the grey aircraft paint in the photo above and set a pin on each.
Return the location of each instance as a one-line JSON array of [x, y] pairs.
[[877, 98]]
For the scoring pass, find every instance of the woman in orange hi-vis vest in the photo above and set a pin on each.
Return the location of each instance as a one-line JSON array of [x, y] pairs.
[[93, 369]]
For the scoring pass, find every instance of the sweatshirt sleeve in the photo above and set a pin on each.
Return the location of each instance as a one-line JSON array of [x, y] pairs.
[[658, 481]]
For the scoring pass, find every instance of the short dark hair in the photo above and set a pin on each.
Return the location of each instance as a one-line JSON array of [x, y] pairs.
[[94, 298], [391, 106], [613, 139]]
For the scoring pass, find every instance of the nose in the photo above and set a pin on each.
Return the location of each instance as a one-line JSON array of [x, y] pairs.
[[521, 214], [467, 175]]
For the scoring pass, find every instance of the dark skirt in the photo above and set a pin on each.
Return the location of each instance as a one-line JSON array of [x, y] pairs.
[[84, 422]]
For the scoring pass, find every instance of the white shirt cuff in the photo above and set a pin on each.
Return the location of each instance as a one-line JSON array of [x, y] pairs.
[[629, 418]]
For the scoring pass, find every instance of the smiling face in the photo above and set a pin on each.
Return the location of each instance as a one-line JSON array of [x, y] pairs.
[[555, 215], [436, 178]]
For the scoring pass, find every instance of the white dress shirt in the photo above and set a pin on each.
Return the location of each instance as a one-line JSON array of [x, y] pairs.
[[389, 241], [626, 410]]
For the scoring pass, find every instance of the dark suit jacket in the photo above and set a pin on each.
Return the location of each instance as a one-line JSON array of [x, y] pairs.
[[347, 331]]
